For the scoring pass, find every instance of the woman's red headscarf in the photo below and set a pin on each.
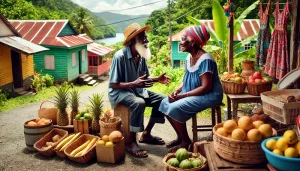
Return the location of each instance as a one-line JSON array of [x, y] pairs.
[[198, 33]]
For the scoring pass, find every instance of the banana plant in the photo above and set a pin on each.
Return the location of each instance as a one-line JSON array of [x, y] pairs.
[[218, 43]]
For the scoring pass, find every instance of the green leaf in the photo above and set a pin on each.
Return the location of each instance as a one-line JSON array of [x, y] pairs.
[[238, 22], [219, 21], [211, 48]]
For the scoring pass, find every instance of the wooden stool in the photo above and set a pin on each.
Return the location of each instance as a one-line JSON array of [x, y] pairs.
[[197, 128], [124, 113]]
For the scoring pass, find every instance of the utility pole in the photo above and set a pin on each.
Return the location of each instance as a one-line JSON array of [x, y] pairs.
[[170, 29]]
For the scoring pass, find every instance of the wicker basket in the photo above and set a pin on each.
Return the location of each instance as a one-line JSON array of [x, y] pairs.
[[242, 152], [62, 154], [167, 167], [274, 105], [86, 157], [49, 112], [48, 138], [233, 88], [108, 125], [256, 89]]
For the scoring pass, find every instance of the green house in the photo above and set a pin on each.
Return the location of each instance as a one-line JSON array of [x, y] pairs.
[[67, 58], [248, 28]]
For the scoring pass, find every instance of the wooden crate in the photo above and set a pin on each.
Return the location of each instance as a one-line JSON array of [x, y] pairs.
[[216, 163]]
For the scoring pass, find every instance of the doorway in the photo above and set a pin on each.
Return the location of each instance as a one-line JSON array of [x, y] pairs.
[[79, 62], [16, 69]]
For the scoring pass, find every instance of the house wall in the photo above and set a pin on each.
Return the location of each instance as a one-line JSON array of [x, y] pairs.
[[67, 30], [27, 65], [6, 75], [60, 72], [73, 71]]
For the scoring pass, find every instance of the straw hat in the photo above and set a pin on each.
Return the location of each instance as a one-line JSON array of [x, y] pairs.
[[132, 30]]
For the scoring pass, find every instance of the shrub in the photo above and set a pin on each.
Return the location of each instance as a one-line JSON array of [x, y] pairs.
[[3, 97], [48, 80]]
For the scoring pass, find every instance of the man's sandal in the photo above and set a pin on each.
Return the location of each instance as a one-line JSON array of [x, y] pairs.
[[137, 152]]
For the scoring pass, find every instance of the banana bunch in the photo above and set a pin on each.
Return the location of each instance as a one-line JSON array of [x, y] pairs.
[[84, 148], [67, 141]]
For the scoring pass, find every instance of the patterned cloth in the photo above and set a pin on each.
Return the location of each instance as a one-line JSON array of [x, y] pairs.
[[277, 63], [199, 34], [264, 36], [183, 109]]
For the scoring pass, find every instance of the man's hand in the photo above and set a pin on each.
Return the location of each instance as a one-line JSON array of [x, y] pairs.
[[141, 82], [163, 79]]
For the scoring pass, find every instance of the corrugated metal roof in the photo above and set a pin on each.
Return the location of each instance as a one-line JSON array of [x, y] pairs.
[[45, 32], [95, 47], [248, 28], [22, 44], [98, 49]]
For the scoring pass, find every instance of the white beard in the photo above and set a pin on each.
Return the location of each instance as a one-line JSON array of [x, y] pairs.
[[143, 50]]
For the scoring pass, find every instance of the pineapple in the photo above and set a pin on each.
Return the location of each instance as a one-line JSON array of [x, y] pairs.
[[74, 100], [96, 107], [61, 102]]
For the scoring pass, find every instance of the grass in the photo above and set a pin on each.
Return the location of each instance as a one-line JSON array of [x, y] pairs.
[[25, 100]]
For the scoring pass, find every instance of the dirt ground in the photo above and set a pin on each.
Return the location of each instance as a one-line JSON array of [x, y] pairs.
[[14, 155]]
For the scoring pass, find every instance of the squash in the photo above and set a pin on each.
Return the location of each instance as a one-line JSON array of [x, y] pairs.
[[115, 136]]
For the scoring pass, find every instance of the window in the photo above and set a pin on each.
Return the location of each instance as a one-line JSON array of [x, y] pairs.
[[83, 55], [73, 59], [182, 64], [247, 46], [49, 62], [179, 47]]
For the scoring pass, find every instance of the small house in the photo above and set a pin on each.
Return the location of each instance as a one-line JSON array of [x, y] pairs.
[[67, 58], [16, 58], [248, 28], [97, 63]]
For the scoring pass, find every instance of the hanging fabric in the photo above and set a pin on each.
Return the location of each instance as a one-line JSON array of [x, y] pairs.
[[277, 62], [264, 35]]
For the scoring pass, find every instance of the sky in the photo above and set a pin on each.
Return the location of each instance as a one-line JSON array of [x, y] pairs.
[[105, 5]]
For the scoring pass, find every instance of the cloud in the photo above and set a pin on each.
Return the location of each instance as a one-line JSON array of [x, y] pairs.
[[106, 5]]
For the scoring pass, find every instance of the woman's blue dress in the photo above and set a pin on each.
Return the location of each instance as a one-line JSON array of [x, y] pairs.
[[183, 109]]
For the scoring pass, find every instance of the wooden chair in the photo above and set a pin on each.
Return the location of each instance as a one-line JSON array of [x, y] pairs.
[[124, 113], [198, 128]]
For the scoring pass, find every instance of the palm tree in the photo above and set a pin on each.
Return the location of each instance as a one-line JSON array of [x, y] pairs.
[[218, 44], [82, 22]]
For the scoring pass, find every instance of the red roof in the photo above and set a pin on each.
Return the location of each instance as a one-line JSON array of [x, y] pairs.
[[95, 47], [45, 32], [249, 27]]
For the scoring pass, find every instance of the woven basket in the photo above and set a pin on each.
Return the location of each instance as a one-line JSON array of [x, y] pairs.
[[233, 88], [48, 138], [256, 89], [108, 125], [167, 167], [236, 151], [86, 157], [49, 112]]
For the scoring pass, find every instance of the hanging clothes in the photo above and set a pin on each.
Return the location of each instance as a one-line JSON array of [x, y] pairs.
[[264, 35], [277, 63]]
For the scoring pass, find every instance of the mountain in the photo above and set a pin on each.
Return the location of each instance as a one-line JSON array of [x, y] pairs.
[[110, 17], [52, 10]]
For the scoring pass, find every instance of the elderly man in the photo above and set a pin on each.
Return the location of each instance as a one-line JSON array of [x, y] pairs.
[[128, 80]]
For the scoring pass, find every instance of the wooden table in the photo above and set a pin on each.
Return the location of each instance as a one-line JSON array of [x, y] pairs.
[[216, 163], [235, 99]]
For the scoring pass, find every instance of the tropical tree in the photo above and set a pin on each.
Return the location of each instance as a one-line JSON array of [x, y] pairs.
[[218, 44], [82, 22]]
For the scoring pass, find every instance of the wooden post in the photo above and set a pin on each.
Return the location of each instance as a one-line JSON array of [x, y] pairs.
[[230, 45], [294, 39], [170, 28]]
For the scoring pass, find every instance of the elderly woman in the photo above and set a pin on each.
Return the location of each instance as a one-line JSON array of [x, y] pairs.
[[201, 87]]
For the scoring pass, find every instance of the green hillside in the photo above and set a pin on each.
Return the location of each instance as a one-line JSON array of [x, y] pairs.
[[52, 9], [110, 17]]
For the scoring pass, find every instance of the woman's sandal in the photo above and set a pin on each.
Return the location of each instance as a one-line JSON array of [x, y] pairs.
[[173, 143], [137, 152]]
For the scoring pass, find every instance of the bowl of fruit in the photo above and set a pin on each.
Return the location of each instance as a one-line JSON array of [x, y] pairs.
[[283, 152], [257, 84], [233, 83]]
